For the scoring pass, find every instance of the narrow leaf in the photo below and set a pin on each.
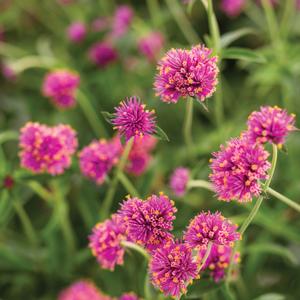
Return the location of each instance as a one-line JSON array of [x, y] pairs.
[[243, 54], [160, 134], [230, 37], [107, 116]]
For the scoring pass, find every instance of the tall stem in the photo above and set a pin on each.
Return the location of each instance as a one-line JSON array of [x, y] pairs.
[[201, 184], [187, 129], [127, 184], [105, 209], [206, 255]]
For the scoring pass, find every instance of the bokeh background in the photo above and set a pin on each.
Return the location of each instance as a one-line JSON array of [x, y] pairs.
[[267, 73]]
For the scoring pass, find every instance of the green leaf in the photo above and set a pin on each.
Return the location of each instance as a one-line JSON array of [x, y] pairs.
[[200, 287], [230, 37], [271, 296], [107, 116], [242, 54], [9, 135], [160, 134]]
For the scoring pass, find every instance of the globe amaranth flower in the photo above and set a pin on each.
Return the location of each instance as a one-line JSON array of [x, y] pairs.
[[60, 86], [82, 290], [270, 124], [151, 44], [139, 157], [232, 8], [129, 296], [47, 149], [76, 32], [209, 227], [105, 242], [131, 119], [172, 268], [186, 73], [122, 19], [103, 54], [148, 223], [98, 158], [237, 169], [8, 72], [179, 180], [218, 261]]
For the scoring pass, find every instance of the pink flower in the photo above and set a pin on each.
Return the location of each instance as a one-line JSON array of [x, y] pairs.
[[131, 119], [186, 73], [210, 227], [151, 44], [47, 149], [7, 72], [270, 124], [172, 268], [98, 158], [179, 180], [129, 296], [82, 290], [105, 243], [60, 86], [232, 8], [237, 170], [122, 20], [103, 54], [149, 222], [76, 32]]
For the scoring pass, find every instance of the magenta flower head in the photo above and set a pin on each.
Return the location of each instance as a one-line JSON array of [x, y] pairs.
[[98, 158], [129, 296], [122, 20], [47, 149], [210, 227], [237, 169], [151, 44], [8, 72], [172, 268], [82, 290], [105, 243], [76, 32], [218, 261], [186, 73], [131, 119], [232, 8], [103, 54], [179, 180], [60, 86], [270, 124], [149, 222]]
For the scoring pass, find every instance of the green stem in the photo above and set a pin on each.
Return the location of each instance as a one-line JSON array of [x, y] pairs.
[[137, 248], [183, 22], [128, 185], [26, 223], [37, 188], [107, 202], [9, 135], [206, 255], [201, 184], [273, 166], [154, 11], [219, 115], [187, 129], [284, 199], [271, 20], [91, 115], [213, 27]]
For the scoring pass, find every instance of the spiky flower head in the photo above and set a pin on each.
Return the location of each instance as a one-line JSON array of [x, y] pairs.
[[82, 290], [179, 180], [218, 261], [232, 8], [122, 19], [270, 124], [103, 54], [129, 296], [61, 86], [209, 227], [132, 119], [151, 44], [76, 32], [47, 149], [172, 268], [237, 170], [186, 73], [148, 223], [98, 158], [105, 242]]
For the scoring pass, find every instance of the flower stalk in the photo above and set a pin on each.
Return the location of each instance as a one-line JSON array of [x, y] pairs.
[[187, 129]]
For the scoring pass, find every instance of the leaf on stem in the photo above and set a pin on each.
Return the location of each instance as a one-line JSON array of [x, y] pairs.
[[243, 54]]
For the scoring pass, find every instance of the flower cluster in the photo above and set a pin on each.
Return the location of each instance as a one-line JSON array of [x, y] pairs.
[[103, 54], [232, 8], [76, 32], [151, 44], [60, 86], [47, 149], [98, 158], [122, 20], [179, 180], [210, 228], [183, 73]]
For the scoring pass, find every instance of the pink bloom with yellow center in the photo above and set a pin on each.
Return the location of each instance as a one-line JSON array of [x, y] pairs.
[[98, 158], [270, 124], [232, 8], [209, 227], [47, 149], [105, 243], [237, 170], [187, 73], [82, 290], [60, 86], [172, 268], [76, 32], [151, 44], [103, 54], [131, 119], [149, 223], [179, 180]]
